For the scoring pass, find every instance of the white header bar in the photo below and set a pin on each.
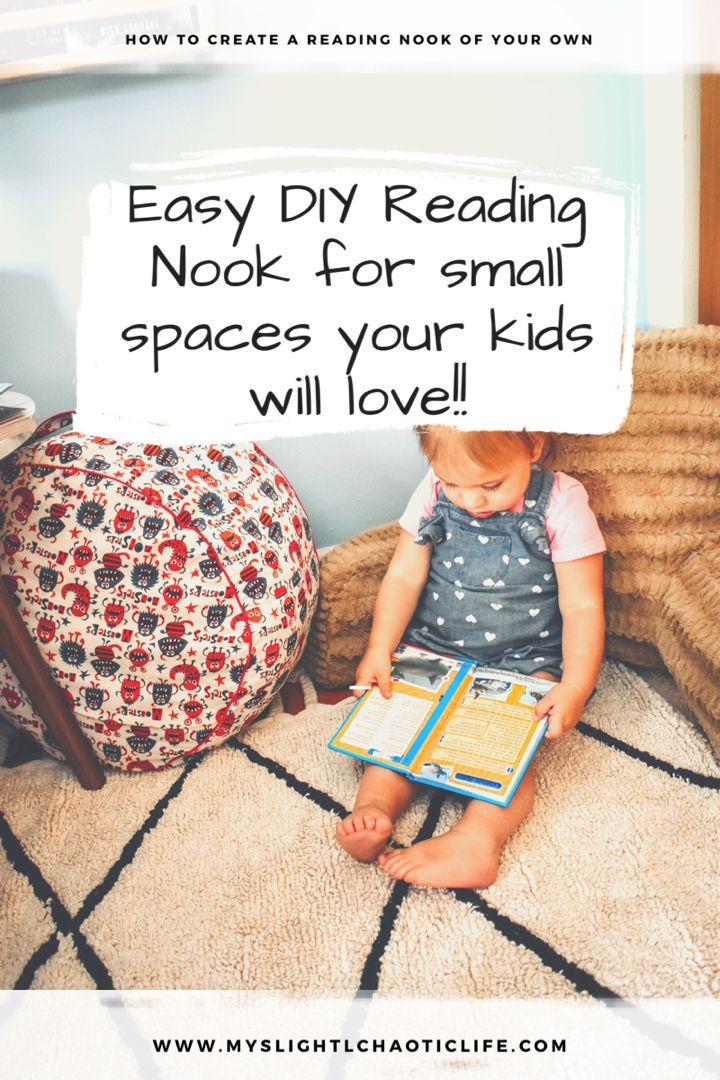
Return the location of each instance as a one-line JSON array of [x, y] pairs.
[[557, 35]]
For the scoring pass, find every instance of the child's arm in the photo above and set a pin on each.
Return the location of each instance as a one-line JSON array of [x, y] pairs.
[[396, 601], [583, 640]]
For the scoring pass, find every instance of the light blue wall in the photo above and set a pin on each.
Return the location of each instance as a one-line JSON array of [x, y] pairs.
[[61, 136]]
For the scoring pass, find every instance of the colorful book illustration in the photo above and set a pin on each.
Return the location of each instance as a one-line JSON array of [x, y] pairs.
[[450, 723]]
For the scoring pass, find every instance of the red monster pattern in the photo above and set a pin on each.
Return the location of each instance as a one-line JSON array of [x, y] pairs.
[[169, 589]]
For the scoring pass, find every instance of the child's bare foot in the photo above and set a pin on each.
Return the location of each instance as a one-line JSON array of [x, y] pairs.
[[462, 858], [365, 833]]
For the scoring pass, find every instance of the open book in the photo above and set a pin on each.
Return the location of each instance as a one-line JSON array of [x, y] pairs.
[[449, 723]]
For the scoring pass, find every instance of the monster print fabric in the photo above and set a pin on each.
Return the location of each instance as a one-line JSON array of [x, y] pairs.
[[169, 589]]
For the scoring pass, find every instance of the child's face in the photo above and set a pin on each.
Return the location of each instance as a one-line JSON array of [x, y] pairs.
[[483, 491]]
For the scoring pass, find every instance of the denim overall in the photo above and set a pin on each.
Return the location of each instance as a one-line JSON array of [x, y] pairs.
[[492, 593]]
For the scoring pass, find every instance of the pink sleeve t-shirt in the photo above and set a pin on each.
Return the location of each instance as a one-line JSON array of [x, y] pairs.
[[572, 528]]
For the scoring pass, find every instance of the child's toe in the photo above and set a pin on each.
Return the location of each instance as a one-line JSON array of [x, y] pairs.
[[394, 864]]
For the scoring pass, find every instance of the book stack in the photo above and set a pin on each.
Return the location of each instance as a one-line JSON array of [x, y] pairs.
[[17, 419]]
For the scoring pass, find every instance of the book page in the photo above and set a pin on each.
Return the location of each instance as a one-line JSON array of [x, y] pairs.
[[484, 740], [387, 728]]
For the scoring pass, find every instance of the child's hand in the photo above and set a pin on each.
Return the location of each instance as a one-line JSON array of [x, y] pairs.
[[563, 705], [374, 670]]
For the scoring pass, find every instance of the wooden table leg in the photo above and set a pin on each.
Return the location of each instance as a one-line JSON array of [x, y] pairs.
[[34, 676]]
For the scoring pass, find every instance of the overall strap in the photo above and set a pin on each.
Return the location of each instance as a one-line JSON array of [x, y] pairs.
[[538, 490]]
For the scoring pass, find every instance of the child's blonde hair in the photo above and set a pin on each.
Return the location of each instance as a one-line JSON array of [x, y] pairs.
[[491, 449]]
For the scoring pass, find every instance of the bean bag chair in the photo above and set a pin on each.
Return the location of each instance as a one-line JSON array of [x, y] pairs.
[[170, 590]]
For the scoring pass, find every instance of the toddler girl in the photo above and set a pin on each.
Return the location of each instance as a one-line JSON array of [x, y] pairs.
[[500, 560]]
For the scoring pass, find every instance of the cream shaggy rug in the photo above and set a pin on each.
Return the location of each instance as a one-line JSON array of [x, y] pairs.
[[225, 873]]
